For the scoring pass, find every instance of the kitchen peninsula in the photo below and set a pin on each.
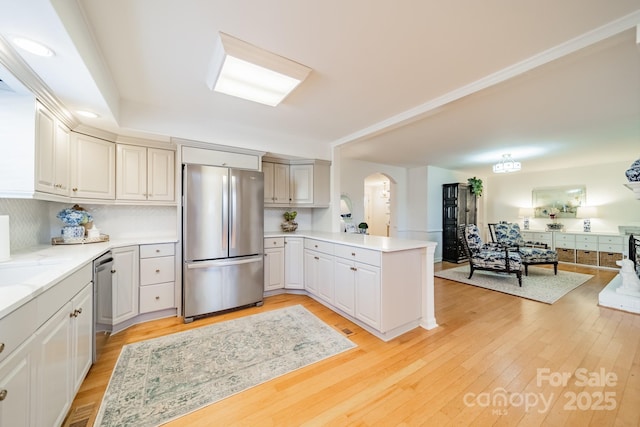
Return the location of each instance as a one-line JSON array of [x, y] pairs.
[[383, 284]]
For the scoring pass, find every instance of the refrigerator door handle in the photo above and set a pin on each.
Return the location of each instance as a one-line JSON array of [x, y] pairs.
[[232, 216], [223, 262], [225, 211]]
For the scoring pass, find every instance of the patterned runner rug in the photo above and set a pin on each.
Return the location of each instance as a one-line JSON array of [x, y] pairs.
[[161, 379], [540, 285]]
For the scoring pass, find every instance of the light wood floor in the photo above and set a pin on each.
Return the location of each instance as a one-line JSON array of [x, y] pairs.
[[488, 345]]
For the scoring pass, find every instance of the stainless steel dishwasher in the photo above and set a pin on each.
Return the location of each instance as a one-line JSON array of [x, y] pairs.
[[102, 302]]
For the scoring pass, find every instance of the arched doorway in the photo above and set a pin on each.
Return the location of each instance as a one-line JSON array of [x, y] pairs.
[[377, 204]]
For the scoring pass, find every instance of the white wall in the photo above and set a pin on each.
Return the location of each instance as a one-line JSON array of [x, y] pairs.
[[616, 204], [352, 176]]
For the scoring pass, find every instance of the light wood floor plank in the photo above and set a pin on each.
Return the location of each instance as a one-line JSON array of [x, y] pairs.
[[486, 341]]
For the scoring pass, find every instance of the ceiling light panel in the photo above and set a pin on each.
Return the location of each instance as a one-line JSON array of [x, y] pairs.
[[246, 71]]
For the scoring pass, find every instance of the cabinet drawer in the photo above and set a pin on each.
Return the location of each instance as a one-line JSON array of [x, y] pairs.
[[274, 242], [582, 238], [367, 256], [565, 240], [162, 249], [157, 270], [537, 237], [156, 297], [587, 246], [609, 247], [611, 240], [319, 245], [16, 327], [566, 255], [608, 259], [587, 257]]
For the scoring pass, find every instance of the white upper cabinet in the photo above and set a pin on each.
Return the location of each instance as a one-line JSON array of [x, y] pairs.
[[276, 183], [93, 171], [296, 183], [301, 183], [52, 153], [145, 174]]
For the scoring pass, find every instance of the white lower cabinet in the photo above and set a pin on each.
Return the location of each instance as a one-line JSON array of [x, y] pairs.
[[64, 349], [318, 274], [157, 277], [55, 370], [345, 287], [273, 263], [125, 283], [294, 263], [367, 290], [17, 386], [357, 290]]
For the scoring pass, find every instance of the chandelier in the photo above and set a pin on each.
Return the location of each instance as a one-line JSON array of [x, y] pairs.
[[507, 164]]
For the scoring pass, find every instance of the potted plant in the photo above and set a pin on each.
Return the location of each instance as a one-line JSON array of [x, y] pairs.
[[476, 186], [289, 224], [363, 226]]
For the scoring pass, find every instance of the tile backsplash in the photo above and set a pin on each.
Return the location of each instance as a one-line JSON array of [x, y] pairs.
[[28, 220], [34, 222]]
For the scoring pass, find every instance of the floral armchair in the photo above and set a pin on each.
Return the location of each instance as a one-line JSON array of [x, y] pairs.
[[489, 256], [508, 235]]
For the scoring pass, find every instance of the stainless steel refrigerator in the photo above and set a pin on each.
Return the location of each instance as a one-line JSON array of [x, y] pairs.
[[222, 237]]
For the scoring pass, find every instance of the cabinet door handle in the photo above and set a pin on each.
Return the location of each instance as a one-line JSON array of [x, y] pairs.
[[353, 254], [315, 257], [354, 269], [157, 298], [157, 270], [1, 347], [3, 394], [266, 254], [113, 271], [74, 189], [157, 251]]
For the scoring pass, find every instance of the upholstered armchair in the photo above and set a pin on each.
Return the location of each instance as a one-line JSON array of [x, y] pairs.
[[508, 235], [489, 256]]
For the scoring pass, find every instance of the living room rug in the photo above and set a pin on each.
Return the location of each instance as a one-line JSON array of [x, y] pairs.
[[540, 285], [161, 379]]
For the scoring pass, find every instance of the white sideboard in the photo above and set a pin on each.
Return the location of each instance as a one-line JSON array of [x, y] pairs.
[[595, 249]]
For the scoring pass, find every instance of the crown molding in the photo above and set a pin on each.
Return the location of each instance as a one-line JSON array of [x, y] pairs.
[[14, 63]]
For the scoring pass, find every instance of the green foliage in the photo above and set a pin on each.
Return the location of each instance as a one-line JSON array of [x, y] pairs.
[[290, 216], [476, 186]]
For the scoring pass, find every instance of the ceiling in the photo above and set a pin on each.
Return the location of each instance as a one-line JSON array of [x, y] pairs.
[[411, 83]]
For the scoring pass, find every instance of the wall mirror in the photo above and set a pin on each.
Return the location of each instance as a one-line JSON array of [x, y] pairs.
[[561, 201], [345, 206]]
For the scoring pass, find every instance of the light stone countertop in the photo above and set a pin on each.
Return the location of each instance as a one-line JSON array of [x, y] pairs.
[[378, 243], [31, 272]]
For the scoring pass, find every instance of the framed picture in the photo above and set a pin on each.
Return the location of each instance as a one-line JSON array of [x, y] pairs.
[[562, 201]]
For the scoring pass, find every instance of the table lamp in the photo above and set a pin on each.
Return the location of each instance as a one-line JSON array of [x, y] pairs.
[[525, 213], [586, 213]]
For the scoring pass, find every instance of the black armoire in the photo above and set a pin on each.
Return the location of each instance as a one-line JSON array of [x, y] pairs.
[[458, 207]]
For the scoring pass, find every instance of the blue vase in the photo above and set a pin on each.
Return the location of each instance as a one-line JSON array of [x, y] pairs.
[[633, 173]]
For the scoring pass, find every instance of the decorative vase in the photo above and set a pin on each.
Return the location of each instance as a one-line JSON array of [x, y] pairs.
[[633, 173], [289, 226], [72, 232]]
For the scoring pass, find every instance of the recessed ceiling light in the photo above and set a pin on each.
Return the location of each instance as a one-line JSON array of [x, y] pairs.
[[243, 70], [32, 46], [89, 114]]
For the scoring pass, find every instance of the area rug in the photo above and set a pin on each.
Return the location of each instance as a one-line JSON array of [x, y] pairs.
[[161, 379], [540, 285]]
